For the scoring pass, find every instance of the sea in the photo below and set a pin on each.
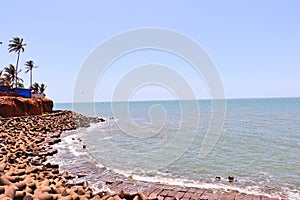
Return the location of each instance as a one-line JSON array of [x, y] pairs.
[[161, 141]]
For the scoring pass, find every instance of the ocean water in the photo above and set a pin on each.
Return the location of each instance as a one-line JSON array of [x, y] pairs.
[[259, 144]]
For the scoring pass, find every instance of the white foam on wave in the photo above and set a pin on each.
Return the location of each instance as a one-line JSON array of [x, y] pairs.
[[293, 194], [162, 179], [95, 126], [105, 138], [71, 144], [100, 126]]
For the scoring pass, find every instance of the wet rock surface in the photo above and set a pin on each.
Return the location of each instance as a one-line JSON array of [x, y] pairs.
[[26, 173]]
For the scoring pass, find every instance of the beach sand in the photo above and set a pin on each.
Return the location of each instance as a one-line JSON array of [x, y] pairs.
[[25, 172]]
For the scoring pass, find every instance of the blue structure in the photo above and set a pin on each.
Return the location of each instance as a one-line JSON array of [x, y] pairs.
[[22, 92], [4, 88]]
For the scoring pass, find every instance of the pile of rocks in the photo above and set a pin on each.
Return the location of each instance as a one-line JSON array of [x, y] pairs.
[[25, 143]]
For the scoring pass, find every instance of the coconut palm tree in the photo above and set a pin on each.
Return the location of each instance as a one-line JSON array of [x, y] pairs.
[[1, 78], [29, 67], [10, 75], [42, 88], [16, 45], [35, 87]]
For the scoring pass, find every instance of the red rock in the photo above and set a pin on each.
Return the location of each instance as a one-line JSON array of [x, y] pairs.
[[155, 193], [10, 191], [179, 195], [170, 198], [196, 196], [164, 193], [28, 197], [187, 195], [20, 194], [116, 183], [2, 166], [19, 106], [96, 197], [4, 181]]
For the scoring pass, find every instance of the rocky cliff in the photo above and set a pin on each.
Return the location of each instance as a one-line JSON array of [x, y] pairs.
[[19, 106]]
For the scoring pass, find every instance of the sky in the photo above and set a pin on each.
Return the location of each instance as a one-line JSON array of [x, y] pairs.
[[255, 45]]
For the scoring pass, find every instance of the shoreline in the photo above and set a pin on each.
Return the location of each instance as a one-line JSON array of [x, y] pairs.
[[27, 143]]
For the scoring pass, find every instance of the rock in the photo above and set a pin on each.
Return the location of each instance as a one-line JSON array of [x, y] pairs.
[[100, 119], [28, 197], [5, 181], [116, 197], [10, 191], [230, 178], [2, 166], [96, 198], [19, 106], [80, 191], [136, 197], [64, 193], [20, 194]]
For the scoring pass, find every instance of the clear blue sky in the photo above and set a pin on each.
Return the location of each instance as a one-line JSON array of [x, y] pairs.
[[254, 44]]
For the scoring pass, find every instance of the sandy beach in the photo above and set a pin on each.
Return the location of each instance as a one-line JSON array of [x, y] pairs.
[[26, 143]]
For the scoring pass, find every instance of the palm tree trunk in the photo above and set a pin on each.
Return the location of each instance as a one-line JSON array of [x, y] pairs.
[[17, 69], [30, 79]]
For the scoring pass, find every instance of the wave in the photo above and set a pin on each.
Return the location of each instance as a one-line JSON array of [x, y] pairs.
[[74, 144], [162, 178]]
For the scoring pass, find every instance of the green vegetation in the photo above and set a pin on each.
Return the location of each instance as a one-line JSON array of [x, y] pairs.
[[39, 88], [16, 45], [10, 74], [30, 66]]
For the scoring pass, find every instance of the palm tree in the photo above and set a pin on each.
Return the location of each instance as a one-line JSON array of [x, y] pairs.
[[35, 87], [1, 78], [30, 66], [10, 75], [16, 45], [42, 88]]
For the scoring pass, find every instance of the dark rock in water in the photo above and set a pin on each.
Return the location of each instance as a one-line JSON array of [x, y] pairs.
[[80, 175], [100, 119], [230, 178], [218, 178]]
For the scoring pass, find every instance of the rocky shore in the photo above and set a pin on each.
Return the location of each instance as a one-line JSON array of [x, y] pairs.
[[25, 172]]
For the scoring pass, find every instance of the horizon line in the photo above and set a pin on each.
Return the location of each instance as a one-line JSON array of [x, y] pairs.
[[204, 99]]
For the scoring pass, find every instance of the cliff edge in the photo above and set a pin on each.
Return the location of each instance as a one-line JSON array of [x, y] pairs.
[[18, 106]]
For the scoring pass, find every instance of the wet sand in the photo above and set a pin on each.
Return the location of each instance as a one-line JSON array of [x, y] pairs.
[[25, 172]]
